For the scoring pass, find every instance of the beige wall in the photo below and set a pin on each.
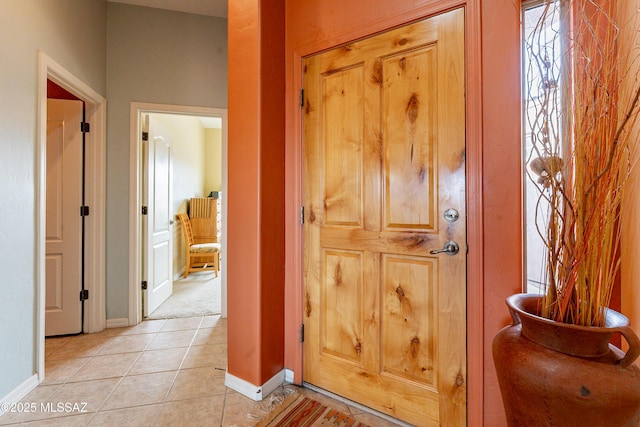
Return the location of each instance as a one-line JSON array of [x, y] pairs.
[[73, 34], [187, 138], [213, 160]]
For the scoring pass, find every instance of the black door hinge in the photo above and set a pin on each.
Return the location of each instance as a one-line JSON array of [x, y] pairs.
[[84, 210], [145, 136], [302, 97], [302, 333], [84, 294], [301, 215], [145, 210], [144, 284], [85, 127]]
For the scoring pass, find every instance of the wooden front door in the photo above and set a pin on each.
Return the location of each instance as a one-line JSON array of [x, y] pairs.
[[384, 186]]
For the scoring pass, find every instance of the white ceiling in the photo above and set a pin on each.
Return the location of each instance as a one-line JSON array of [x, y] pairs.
[[198, 7]]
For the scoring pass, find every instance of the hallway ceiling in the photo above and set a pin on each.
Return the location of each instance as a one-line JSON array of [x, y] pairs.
[[198, 7]]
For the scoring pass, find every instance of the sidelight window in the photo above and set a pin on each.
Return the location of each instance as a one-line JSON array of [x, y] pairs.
[[542, 76]]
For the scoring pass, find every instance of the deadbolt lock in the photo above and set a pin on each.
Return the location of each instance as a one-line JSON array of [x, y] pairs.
[[451, 215]]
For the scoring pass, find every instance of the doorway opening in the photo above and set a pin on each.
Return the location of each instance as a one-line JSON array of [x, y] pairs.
[[94, 314], [65, 229], [193, 143]]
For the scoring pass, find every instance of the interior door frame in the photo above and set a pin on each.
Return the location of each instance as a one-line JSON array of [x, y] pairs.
[[95, 244], [294, 150], [135, 200]]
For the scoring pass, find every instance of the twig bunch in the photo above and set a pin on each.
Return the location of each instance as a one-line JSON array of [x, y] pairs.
[[583, 104]]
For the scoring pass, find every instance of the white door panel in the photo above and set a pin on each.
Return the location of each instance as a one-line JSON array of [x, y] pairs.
[[63, 262], [158, 264]]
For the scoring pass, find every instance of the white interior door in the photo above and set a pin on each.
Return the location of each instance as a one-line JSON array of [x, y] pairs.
[[157, 224], [63, 260]]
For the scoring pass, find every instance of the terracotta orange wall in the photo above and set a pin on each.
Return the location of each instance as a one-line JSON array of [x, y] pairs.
[[630, 269], [501, 88], [255, 268], [272, 189], [495, 248]]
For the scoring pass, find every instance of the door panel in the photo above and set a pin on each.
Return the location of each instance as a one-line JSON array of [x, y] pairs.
[[408, 322], [409, 114], [63, 258], [158, 262], [341, 306], [385, 320], [343, 124]]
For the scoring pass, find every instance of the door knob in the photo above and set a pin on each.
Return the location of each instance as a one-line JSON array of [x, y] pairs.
[[449, 248]]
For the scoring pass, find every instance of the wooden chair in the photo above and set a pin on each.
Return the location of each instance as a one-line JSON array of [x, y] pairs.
[[201, 256]]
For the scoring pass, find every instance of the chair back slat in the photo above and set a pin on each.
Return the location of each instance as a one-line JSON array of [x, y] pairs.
[[186, 228]]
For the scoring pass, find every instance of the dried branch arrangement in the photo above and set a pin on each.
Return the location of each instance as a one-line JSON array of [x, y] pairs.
[[583, 95]]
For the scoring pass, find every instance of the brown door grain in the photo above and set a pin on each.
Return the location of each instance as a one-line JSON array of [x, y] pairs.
[[384, 157]]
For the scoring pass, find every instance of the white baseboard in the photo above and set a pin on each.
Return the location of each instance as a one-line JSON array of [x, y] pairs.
[[16, 395], [251, 391], [288, 376], [118, 323]]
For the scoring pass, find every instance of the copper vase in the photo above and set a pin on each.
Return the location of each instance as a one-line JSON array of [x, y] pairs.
[[557, 374]]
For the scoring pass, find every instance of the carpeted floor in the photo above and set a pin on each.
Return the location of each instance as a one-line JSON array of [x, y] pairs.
[[197, 295]]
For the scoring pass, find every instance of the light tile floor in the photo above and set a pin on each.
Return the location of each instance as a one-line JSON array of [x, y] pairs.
[[158, 373]]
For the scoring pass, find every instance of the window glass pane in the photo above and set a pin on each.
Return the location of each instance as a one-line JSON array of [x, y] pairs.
[[541, 79]]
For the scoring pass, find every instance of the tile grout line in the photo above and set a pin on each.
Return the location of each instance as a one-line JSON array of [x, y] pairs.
[[67, 379], [63, 383], [165, 397], [224, 407], [173, 382], [175, 377], [119, 381]]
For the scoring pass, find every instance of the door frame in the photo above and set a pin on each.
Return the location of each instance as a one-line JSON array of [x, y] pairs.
[[474, 183], [135, 201], [95, 183]]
